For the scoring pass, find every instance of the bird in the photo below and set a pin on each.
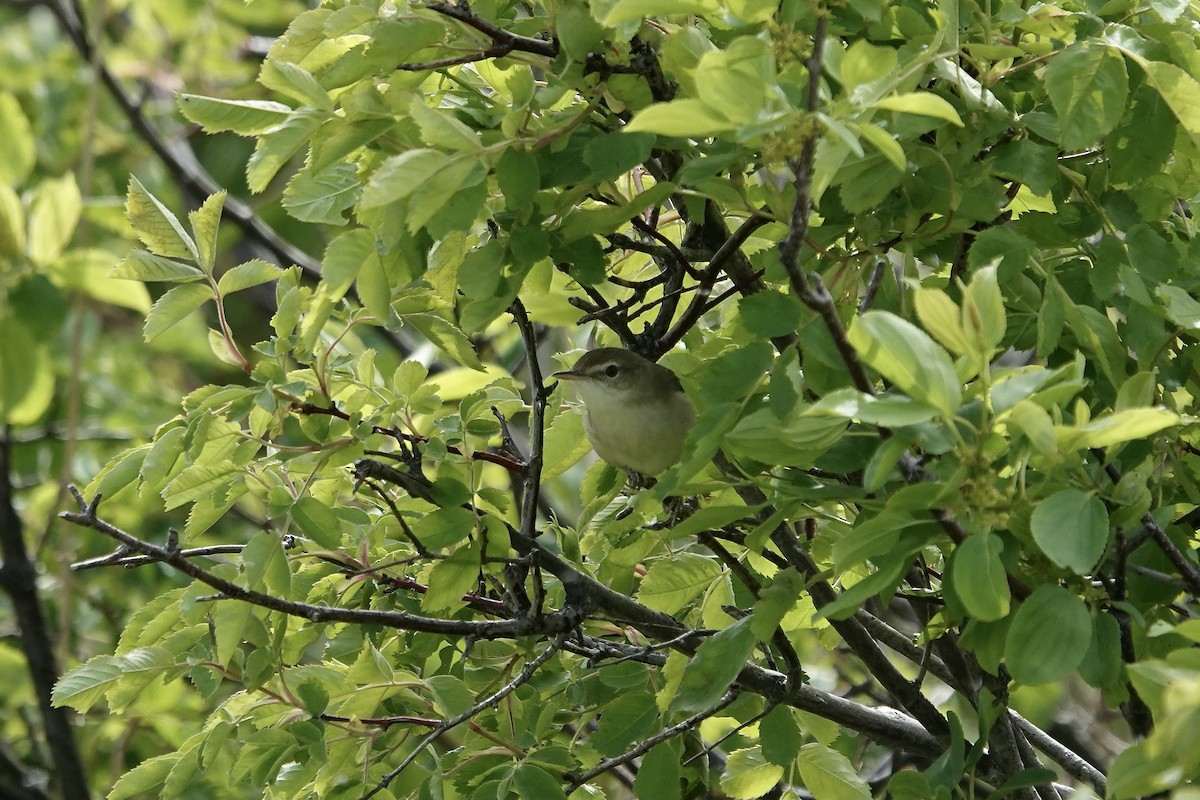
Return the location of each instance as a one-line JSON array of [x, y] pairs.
[[636, 413]]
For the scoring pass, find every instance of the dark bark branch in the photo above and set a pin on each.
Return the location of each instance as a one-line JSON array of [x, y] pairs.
[[526, 44], [18, 579]]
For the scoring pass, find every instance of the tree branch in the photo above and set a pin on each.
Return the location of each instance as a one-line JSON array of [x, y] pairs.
[[18, 579]]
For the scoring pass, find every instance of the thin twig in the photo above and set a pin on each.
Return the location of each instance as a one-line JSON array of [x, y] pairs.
[[490, 701], [575, 781]]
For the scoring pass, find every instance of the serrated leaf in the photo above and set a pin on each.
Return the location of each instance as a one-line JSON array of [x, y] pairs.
[[247, 274], [748, 775], [295, 82], [246, 117], [142, 266], [672, 583], [714, 667], [624, 720], [173, 307], [82, 687], [451, 578], [197, 481], [1088, 86], [401, 175], [829, 774], [448, 338], [318, 522], [206, 222], [439, 128], [145, 778], [775, 600], [564, 445], [322, 196], [157, 228], [277, 147]]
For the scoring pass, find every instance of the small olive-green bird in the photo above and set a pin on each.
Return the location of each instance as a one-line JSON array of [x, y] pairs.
[[636, 413]]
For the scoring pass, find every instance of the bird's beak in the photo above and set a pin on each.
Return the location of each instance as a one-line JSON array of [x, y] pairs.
[[567, 375]]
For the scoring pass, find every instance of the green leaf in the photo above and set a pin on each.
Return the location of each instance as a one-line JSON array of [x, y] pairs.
[[248, 274], [770, 314], [401, 175], [905, 355], [82, 687], [534, 783], [889, 411], [20, 149], [1182, 308], [440, 129], [564, 445], [748, 775], [690, 118], [449, 339], [884, 142], [1049, 636], [276, 148], [206, 222], [942, 318], [1125, 426], [24, 369], [779, 736], [1071, 528], [157, 228], [658, 778], [452, 578], [775, 600], [627, 719], [614, 154], [53, 215], [714, 667], [266, 565], [1180, 91], [923, 104], [1089, 87], [829, 774], [672, 583], [294, 81], [980, 580], [630, 10], [322, 196], [247, 117], [12, 224], [142, 266], [174, 306], [983, 312], [145, 778], [318, 522]]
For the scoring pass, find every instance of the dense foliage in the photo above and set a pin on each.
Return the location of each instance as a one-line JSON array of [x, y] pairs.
[[927, 271]]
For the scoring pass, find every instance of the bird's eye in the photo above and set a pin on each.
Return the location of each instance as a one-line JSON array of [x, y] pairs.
[[611, 370]]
